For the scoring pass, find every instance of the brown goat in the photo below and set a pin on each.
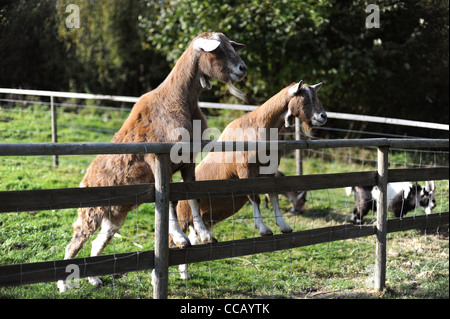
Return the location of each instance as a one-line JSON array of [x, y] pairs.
[[154, 118], [295, 100]]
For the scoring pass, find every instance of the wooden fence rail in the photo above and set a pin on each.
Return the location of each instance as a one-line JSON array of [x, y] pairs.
[[50, 271], [162, 192], [34, 149], [47, 199]]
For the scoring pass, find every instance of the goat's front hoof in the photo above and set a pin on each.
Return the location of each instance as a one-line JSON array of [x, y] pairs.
[[207, 238], [266, 232], [183, 245], [286, 230], [181, 240], [284, 227]]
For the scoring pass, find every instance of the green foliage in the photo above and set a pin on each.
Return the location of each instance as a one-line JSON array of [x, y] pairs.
[[126, 47], [109, 48], [389, 71], [30, 54]]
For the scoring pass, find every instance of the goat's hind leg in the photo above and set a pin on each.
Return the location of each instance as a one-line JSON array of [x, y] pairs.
[[110, 225], [87, 224], [195, 240]]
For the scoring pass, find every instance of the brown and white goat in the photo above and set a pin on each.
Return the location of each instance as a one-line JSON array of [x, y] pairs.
[[299, 100], [297, 198], [154, 118]]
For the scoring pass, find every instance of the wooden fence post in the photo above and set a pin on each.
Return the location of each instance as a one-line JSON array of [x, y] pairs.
[[54, 129], [298, 152], [161, 271], [380, 265]]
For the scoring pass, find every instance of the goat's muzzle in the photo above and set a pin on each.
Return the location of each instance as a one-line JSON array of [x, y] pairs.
[[238, 72], [319, 119]]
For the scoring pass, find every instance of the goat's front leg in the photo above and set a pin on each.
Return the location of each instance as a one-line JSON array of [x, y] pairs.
[[199, 226], [259, 224], [205, 236], [284, 227], [179, 238]]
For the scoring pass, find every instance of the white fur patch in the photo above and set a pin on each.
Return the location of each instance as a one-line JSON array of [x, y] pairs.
[[286, 119]]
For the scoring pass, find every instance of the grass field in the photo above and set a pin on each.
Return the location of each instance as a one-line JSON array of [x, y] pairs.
[[417, 260]]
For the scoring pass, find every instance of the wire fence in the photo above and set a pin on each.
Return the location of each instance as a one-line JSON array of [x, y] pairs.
[[335, 269]]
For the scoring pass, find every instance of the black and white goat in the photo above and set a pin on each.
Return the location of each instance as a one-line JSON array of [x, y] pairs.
[[402, 197]]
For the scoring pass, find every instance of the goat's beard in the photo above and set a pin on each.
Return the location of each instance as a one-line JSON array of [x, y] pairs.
[[307, 129], [235, 91]]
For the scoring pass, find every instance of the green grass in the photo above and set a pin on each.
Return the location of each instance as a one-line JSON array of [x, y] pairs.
[[417, 260]]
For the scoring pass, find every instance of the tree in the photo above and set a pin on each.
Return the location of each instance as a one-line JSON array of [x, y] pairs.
[[397, 70], [30, 54], [109, 48], [126, 47]]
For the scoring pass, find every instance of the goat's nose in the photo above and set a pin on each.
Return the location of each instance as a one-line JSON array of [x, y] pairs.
[[243, 68], [321, 117]]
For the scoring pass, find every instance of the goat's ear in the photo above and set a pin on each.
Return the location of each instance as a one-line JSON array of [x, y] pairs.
[[429, 186], [237, 46], [208, 45], [317, 86], [295, 89]]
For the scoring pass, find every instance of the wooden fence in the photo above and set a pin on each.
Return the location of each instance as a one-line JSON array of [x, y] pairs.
[[161, 192], [131, 99]]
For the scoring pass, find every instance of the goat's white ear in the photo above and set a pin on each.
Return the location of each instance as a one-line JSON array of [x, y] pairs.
[[208, 45], [295, 88], [206, 84], [237, 46], [317, 86]]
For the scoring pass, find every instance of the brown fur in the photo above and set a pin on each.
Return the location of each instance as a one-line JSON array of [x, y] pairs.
[[173, 104], [269, 115]]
